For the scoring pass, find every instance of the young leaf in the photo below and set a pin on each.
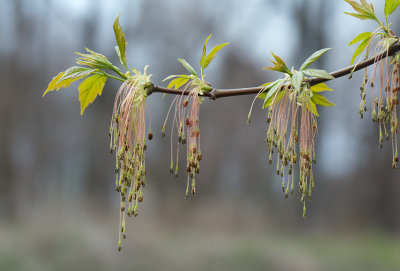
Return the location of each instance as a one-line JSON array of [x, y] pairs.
[[319, 88], [276, 99], [118, 54], [120, 38], [313, 58], [390, 6], [203, 55], [279, 65], [272, 89], [212, 54], [187, 66], [170, 77], [318, 73], [297, 79], [177, 82], [360, 37], [364, 11], [278, 60], [360, 48], [265, 87], [278, 68], [90, 88], [321, 100], [94, 60], [76, 72], [312, 108], [56, 83]]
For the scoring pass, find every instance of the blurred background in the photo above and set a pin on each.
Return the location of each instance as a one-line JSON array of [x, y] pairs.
[[58, 206]]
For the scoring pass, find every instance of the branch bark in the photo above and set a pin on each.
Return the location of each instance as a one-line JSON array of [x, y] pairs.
[[220, 93]]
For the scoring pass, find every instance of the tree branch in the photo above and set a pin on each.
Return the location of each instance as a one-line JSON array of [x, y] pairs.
[[220, 93]]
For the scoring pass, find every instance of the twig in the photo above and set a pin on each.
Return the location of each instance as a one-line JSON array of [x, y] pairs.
[[220, 93]]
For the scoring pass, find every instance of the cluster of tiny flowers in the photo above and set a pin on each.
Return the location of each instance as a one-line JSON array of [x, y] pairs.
[[186, 120], [384, 100], [283, 137], [128, 141]]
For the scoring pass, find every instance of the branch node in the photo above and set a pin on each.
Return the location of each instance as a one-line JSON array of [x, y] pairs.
[[150, 90], [213, 93]]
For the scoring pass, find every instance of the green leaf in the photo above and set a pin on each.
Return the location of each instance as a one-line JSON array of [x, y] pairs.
[[276, 99], [319, 88], [390, 6], [119, 54], [313, 58], [364, 11], [360, 16], [213, 53], [120, 38], [187, 66], [170, 77], [321, 100], [297, 79], [312, 108], [360, 37], [56, 83], [94, 60], [265, 87], [278, 68], [203, 55], [278, 60], [272, 89], [360, 48], [318, 73], [90, 88], [177, 82], [76, 72], [279, 65]]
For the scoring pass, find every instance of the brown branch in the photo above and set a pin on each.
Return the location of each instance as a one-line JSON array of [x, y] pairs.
[[220, 93]]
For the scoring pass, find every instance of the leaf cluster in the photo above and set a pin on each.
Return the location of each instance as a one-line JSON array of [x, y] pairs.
[[179, 80], [296, 82], [383, 33], [93, 67]]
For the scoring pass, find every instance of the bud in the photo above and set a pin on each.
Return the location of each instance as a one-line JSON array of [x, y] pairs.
[[304, 211], [119, 245], [150, 136]]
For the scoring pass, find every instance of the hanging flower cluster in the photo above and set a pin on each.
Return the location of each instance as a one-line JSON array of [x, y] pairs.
[[292, 122], [128, 141], [186, 116], [384, 78]]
